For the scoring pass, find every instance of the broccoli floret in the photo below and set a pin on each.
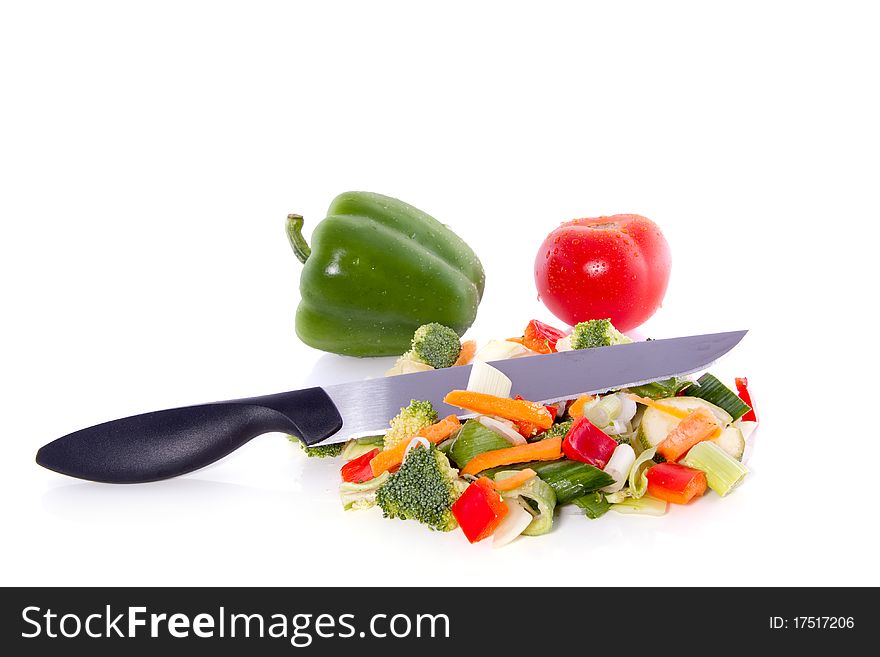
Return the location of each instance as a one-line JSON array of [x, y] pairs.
[[423, 489], [319, 451], [436, 345], [596, 333], [410, 420], [557, 430]]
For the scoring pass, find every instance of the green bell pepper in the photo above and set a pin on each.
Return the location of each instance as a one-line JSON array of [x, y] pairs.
[[378, 269]]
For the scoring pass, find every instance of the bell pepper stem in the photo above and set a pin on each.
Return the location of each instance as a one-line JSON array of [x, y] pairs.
[[301, 248]]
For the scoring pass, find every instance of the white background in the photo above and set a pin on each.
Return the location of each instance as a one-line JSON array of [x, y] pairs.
[[149, 155]]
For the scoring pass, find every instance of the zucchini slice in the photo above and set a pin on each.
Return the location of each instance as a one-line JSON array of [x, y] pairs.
[[732, 441], [656, 424]]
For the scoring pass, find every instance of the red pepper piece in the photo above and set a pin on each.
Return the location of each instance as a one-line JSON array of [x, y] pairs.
[[479, 510], [359, 470], [742, 389], [541, 337], [587, 443], [676, 483]]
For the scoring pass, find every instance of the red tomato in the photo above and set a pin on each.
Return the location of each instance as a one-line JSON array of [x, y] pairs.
[[613, 267]]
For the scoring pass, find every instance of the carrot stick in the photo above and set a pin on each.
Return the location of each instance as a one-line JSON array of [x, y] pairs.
[[513, 481], [699, 425], [543, 450], [466, 355], [671, 410], [576, 410], [391, 458], [518, 410]]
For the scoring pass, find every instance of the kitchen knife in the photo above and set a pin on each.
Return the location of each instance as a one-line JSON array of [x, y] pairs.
[[173, 442]]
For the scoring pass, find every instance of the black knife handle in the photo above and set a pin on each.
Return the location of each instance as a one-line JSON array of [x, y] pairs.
[[169, 443]]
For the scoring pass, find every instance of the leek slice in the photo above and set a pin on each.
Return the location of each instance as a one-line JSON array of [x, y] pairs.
[[360, 446], [629, 408], [602, 411], [661, 389], [501, 350], [619, 496], [513, 524], [490, 381], [564, 344], [747, 427], [618, 428], [406, 364], [593, 505], [361, 496], [414, 442], [715, 392], [535, 490], [723, 472], [609, 405], [643, 506], [618, 467], [473, 438], [612, 413], [638, 481], [502, 428]]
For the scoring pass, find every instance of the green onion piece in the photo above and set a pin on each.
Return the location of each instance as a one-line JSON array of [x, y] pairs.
[[638, 481], [723, 472], [539, 492], [594, 505], [568, 479], [474, 438], [604, 410], [661, 389], [360, 446], [645, 506], [715, 392]]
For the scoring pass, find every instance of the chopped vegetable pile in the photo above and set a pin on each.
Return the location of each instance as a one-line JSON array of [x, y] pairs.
[[505, 472]]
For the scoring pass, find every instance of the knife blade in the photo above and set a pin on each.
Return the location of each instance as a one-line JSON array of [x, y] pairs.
[[168, 443], [367, 406]]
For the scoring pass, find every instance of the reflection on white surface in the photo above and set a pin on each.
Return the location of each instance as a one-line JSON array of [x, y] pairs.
[[145, 502], [331, 369]]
